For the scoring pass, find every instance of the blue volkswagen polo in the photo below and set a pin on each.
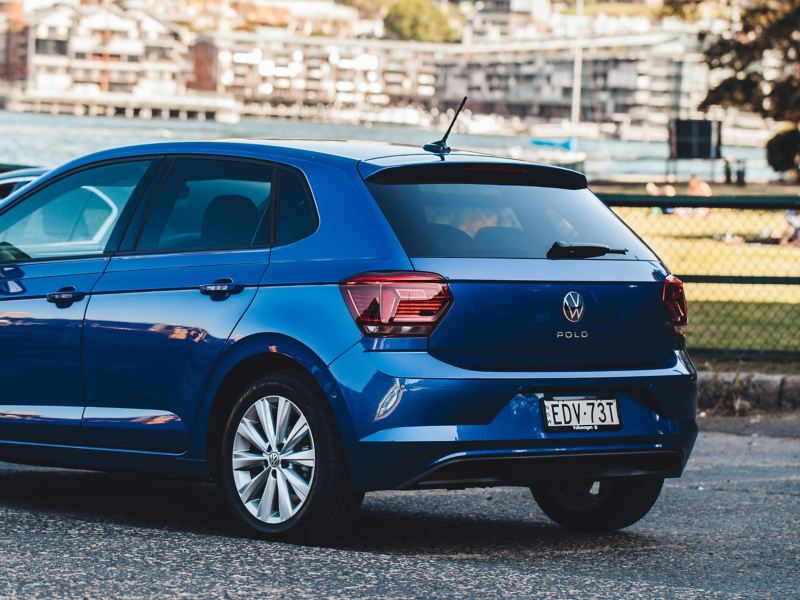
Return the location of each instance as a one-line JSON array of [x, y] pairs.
[[307, 321]]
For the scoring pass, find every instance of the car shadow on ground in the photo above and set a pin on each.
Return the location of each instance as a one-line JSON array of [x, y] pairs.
[[129, 499], [425, 530], [399, 524]]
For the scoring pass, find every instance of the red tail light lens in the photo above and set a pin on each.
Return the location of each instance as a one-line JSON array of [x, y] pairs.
[[397, 303], [675, 303]]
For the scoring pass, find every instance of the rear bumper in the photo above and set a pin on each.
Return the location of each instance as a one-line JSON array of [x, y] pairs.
[[419, 422], [536, 467]]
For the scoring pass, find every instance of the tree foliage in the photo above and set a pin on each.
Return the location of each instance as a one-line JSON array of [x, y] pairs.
[[783, 150], [419, 20], [763, 57], [689, 10]]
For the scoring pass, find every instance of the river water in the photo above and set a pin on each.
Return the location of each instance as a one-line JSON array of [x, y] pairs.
[[48, 140]]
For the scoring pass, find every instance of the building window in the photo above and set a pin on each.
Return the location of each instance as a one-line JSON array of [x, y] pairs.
[[51, 47]]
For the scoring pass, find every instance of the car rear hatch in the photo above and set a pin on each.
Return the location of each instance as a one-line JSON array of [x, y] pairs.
[[489, 228]]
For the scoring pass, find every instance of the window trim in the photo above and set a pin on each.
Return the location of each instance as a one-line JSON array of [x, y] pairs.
[[273, 211], [119, 228]]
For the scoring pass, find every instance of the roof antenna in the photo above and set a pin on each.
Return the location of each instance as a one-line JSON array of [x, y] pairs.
[[440, 147]]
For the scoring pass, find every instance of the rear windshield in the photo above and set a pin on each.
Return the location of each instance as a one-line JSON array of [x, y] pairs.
[[497, 220]]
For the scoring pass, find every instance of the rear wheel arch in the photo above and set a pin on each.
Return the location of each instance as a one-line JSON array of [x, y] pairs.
[[303, 365], [283, 472]]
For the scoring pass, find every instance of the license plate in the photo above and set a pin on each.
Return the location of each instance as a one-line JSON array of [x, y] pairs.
[[580, 414]]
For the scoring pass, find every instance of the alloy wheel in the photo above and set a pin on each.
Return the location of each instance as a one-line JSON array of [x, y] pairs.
[[273, 459]]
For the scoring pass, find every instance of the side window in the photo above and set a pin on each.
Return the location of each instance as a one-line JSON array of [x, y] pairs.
[[297, 217], [73, 216], [207, 204]]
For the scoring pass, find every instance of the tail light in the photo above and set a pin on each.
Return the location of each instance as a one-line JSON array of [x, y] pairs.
[[397, 303], [675, 303]]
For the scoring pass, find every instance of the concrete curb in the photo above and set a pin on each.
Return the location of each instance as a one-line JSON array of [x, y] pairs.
[[762, 391]]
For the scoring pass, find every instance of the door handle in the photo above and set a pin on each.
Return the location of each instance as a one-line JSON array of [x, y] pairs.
[[65, 297], [221, 288]]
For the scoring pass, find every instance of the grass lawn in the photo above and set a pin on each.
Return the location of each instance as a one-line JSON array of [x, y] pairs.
[[717, 244], [724, 316], [717, 363], [768, 326]]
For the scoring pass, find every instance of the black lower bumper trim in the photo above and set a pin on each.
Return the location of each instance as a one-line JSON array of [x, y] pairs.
[[526, 470]]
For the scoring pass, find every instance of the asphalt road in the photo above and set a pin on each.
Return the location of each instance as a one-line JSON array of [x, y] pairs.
[[729, 528]]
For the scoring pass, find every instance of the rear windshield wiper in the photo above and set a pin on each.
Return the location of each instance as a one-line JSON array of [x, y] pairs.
[[568, 250]]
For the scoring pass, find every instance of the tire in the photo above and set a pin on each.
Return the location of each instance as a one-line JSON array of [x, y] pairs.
[[297, 490], [607, 505]]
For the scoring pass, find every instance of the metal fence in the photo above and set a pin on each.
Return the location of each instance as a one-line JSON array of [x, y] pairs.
[[739, 261]]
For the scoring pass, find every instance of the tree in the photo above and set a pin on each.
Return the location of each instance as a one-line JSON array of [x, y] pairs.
[[419, 20], [762, 57], [770, 31], [783, 150]]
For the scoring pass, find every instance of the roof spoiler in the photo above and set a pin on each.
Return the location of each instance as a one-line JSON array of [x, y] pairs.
[[481, 173]]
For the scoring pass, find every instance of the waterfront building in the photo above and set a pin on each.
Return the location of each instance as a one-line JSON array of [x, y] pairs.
[[641, 78], [92, 48], [103, 59], [270, 66], [631, 79]]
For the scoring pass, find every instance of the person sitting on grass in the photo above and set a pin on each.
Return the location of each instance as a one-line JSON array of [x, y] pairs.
[[668, 190], [697, 187], [792, 234]]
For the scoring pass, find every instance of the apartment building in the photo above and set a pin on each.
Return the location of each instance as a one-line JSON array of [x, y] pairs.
[[83, 51], [632, 79], [272, 66], [642, 78], [87, 49]]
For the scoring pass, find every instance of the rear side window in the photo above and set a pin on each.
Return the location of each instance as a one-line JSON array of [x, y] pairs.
[[297, 217], [497, 219], [207, 204]]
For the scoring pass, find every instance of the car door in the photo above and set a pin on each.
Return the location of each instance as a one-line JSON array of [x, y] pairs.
[[166, 305], [54, 245]]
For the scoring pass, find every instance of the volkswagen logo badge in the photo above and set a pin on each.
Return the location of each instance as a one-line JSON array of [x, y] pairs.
[[573, 307]]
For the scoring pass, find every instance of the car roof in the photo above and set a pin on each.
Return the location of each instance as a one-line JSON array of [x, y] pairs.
[[335, 149], [356, 150], [370, 156]]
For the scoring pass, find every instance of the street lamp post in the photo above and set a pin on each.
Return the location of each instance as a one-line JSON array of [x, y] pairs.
[[577, 69]]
